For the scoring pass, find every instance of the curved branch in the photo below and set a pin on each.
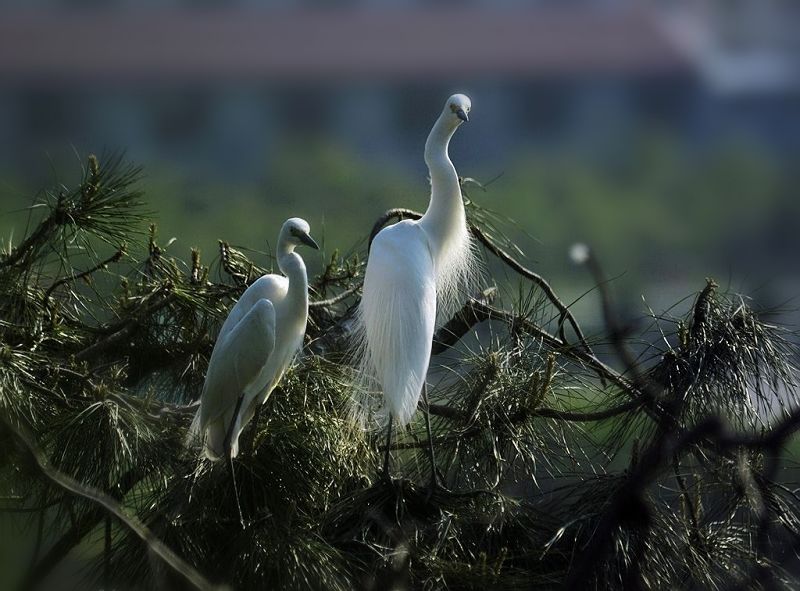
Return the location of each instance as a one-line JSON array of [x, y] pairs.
[[586, 416], [401, 213], [105, 504], [540, 281], [461, 323], [564, 313], [336, 299], [448, 412], [544, 412], [114, 258]]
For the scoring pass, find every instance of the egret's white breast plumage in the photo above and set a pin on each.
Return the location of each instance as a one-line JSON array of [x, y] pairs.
[[417, 274], [399, 315], [256, 344]]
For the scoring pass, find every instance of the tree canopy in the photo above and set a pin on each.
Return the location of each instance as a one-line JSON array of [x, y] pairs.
[[570, 460]]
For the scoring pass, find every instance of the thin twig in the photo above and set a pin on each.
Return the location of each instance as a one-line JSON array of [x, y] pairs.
[[37, 509], [541, 282], [485, 312], [124, 331], [101, 265], [53, 220], [335, 299]]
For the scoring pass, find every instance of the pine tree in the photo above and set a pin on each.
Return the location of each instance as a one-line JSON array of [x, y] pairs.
[[560, 470]]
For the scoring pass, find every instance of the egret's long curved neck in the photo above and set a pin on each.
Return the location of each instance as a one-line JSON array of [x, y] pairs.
[[445, 213], [291, 264]]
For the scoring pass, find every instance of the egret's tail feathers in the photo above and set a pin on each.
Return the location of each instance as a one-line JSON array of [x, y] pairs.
[[370, 410], [402, 395], [212, 439], [395, 352], [193, 437], [365, 400], [214, 448], [459, 276]]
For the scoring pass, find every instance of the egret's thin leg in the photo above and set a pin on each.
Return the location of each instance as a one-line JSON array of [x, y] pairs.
[[229, 433], [236, 490], [227, 449], [431, 455], [388, 444], [251, 440]]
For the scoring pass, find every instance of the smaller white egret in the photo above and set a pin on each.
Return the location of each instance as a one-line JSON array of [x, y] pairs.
[[256, 344]]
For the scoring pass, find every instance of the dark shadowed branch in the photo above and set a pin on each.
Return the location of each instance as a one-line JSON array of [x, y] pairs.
[[109, 505]]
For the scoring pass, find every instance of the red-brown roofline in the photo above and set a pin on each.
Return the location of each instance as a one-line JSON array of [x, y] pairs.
[[309, 45]]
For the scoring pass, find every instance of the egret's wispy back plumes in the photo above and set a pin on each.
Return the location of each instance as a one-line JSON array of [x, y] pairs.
[[417, 275], [458, 273]]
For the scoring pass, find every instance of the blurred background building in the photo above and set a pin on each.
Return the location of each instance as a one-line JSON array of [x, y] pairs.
[[218, 88], [574, 100]]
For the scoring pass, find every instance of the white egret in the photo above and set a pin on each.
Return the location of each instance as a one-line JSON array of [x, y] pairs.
[[256, 344], [415, 267]]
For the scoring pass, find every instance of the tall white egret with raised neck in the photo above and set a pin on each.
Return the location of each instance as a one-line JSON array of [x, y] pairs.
[[257, 342], [414, 269]]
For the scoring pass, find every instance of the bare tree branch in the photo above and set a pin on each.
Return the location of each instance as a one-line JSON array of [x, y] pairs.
[[125, 329], [99, 266], [461, 322], [109, 505], [336, 299]]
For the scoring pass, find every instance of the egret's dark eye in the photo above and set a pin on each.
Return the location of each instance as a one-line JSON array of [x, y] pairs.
[[453, 107]]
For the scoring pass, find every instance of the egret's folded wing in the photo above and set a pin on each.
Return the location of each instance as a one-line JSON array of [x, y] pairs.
[[237, 360], [268, 287]]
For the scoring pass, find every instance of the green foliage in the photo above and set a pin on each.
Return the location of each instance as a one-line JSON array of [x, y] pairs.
[[690, 210], [302, 457], [677, 207], [556, 467]]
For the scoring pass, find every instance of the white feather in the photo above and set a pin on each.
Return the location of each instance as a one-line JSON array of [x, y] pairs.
[[398, 316], [417, 275]]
